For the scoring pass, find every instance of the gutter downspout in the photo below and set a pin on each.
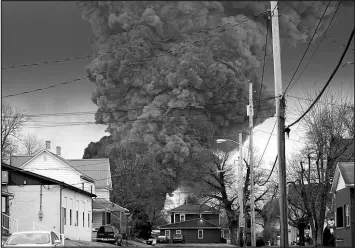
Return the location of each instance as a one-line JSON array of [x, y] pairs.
[[60, 210]]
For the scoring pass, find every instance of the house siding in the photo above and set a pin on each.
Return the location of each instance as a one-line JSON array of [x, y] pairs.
[[26, 204], [352, 216], [43, 164], [213, 218], [103, 193], [190, 235], [343, 233], [81, 231], [341, 183]]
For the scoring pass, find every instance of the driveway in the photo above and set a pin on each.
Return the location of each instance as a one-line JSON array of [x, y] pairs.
[[71, 243], [195, 245]]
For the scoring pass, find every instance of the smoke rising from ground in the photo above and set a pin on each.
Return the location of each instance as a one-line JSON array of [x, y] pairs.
[[162, 82]]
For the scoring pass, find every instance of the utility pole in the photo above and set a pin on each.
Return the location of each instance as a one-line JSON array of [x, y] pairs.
[[280, 114], [251, 116], [240, 191]]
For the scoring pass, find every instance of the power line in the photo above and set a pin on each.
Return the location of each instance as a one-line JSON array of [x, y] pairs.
[[267, 143], [327, 83], [273, 167], [89, 56], [140, 62], [318, 45], [139, 108], [46, 62], [301, 25], [264, 63], [52, 86], [308, 46]]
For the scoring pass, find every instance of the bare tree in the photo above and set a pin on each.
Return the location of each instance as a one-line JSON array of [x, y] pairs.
[[12, 121], [216, 184], [32, 145], [326, 127]]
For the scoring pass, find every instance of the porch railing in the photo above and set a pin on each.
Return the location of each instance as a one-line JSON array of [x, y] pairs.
[[38, 227], [8, 223]]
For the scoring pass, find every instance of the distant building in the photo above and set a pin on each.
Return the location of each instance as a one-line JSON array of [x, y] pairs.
[[32, 201], [197, 223], [344, 209]]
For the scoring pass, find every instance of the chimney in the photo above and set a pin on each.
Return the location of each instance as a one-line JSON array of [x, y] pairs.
[[58, 151], [48, 145]]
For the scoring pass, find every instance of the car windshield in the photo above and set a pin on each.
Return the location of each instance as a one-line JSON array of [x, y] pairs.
[[28, 239], [108, 229]]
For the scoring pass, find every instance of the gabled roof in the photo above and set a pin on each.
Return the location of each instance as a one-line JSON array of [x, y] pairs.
[[98, 169], [104, 204], [346, 171], [44, 179], [191, 224], [193, 208], [20, 161]]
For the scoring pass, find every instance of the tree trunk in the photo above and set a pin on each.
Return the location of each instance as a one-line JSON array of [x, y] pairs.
[[301, 228], [234, 233], [319, 241]]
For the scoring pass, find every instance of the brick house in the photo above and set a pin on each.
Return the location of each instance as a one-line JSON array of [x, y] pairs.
[[197, 223], [344, 209]]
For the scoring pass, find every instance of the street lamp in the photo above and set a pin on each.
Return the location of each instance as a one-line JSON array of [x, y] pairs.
[[240, 193]]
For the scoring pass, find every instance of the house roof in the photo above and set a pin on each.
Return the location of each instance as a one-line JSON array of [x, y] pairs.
[[6, 167], [193, 208], [21, 160], [191, 224], [346, 171], [18, 160], [104, 204], [97, 169]]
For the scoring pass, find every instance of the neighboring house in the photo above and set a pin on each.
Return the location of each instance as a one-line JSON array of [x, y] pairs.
[[344, 209], [93, 175], [197, 223], [40, 202], [104, 211]]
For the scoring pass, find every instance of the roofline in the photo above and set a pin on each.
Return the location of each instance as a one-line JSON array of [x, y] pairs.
[[55, 156], [65, 185], [88, 159], [349, 185], [87, 178], [193, 212], [182, 228], [189, 221]]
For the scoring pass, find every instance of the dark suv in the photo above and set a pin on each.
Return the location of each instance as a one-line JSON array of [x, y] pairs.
[[109, 234]]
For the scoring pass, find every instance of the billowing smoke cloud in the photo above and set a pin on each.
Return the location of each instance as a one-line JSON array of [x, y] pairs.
[[175, 74]]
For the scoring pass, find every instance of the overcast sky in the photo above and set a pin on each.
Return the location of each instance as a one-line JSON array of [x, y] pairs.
[[41, 31]]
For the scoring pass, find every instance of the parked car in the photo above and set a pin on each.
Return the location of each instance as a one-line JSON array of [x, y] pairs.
[[151, 241], [33, 239], [178, 238], [109, 234], [163, 239]]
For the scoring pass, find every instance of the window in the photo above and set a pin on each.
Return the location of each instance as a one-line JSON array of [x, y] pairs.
[[339, 217], [200, 234], [77, 213], [82, 186], [88, 219], [83, 219], [108, 218], [182, 217], [167, 233], [91, 188], [347, 215], [64, 216], [178, 231], [70, 217]]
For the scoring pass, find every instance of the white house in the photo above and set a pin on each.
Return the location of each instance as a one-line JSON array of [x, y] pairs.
[[104, 211], [92, 175], [39, 202]]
